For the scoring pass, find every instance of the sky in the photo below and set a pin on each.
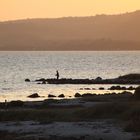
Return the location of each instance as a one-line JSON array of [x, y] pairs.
[[22, 9]]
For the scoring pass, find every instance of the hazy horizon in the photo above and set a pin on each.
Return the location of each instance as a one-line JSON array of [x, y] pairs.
[[63, 17], [40, 26], [15, 9], [116, 32]]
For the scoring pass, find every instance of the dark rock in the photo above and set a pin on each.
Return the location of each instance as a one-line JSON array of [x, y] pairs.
[[44, 82], [132, 76], [121, 80], [131, 88], [121, 88], [61, 96], [51, 96], [27, 80], [87, 88], [77, 95], [98, 79], [40, 80], [137, 93], [101, 88], [35, 95], [117, 88]]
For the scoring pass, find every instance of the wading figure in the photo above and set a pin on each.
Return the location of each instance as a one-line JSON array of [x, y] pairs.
[[57, 75]]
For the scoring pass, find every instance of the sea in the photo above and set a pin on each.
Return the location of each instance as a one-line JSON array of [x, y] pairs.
[[16, 66]]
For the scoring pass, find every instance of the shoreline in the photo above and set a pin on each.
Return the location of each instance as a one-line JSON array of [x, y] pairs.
[[87, 116], [103, 117], [129, 79]]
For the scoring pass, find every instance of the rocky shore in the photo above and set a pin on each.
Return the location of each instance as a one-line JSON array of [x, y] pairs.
[[98, 117], [126, 79]]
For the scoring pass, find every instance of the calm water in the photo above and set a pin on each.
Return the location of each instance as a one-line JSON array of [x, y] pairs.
[[15, 67]]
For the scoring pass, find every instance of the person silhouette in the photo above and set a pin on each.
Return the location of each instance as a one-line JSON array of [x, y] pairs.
[[6, 104], [57, 75]]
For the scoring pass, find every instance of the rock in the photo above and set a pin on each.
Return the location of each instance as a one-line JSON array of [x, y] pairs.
[[101, 88], [117, 88], [43, 82], [35, 95], [132, 76], [51, 96], [121, 88], [137, 93], [61, 96], [27, 80], [77, 95], [87, 89], [131, 88], [98, 79]]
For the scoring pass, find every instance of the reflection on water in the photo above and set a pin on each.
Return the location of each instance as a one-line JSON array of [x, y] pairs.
[[44, 90], [17, 66]]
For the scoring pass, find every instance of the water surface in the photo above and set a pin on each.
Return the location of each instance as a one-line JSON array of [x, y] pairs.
[[15, 67]]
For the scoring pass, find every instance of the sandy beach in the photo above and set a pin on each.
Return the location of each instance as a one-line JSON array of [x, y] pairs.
[[97, 130]]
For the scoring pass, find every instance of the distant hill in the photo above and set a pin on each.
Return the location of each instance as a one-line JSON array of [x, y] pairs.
[[100, 32]]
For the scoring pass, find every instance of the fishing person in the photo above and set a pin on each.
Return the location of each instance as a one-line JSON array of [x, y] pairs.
[[57, 75]]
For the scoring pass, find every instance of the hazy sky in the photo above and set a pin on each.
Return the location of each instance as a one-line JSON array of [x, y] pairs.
[[19, 9]]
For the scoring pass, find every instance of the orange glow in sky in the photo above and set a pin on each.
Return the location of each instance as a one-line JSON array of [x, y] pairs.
[[20, 9]]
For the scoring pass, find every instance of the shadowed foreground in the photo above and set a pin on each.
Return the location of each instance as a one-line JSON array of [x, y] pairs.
[[106, 117]]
